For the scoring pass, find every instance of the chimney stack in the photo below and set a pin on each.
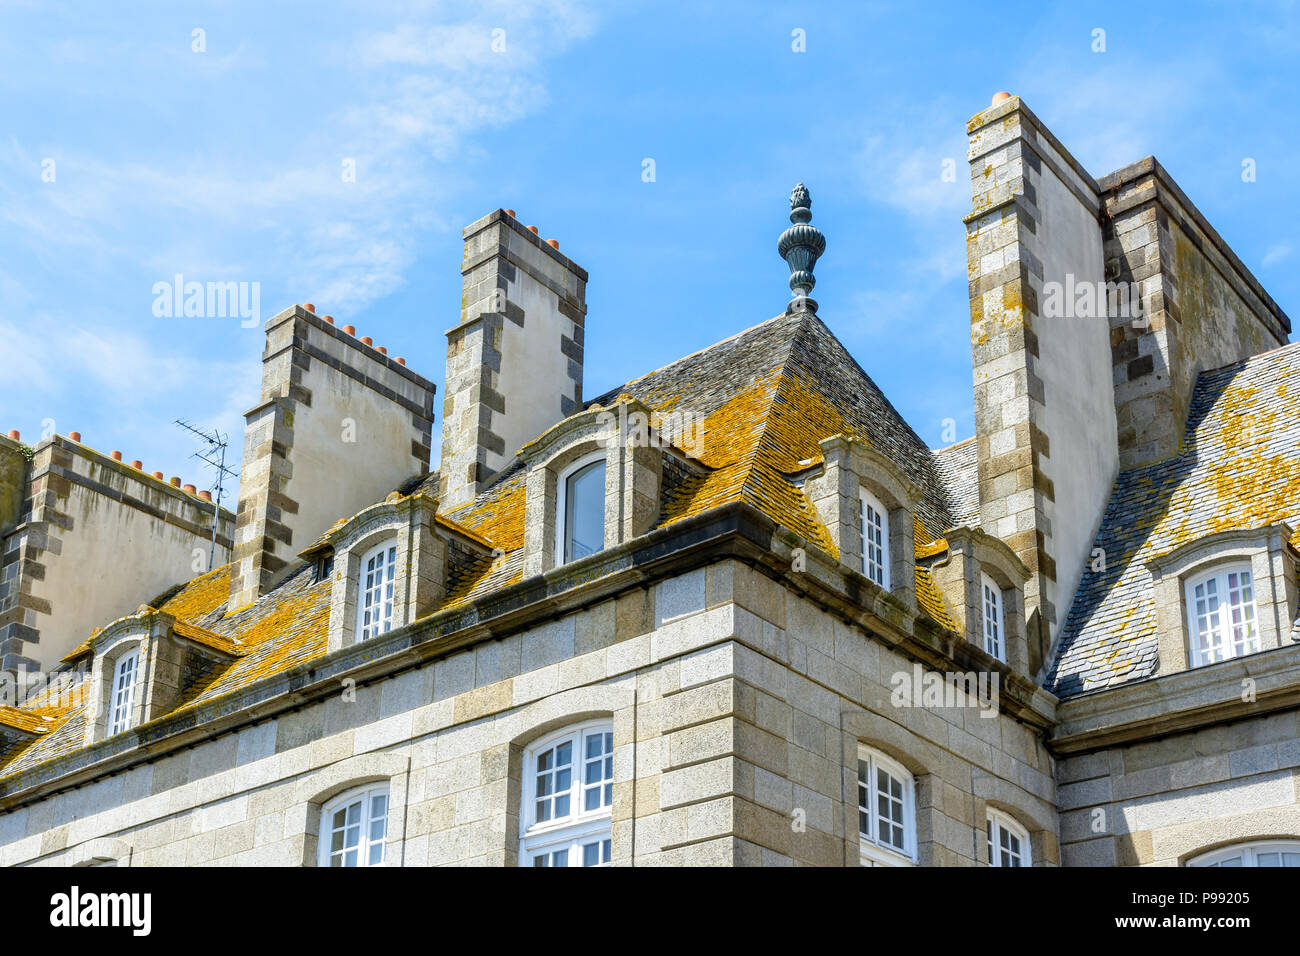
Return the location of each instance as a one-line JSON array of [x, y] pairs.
[[514, 363], [339, 427]]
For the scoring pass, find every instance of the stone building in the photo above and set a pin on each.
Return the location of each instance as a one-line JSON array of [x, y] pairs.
[[732, 612]]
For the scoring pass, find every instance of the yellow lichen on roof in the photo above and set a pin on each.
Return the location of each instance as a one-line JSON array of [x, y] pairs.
[[930, 599], [498, 518], [292, 632], [23, 720], [200, 635], [201, 596]]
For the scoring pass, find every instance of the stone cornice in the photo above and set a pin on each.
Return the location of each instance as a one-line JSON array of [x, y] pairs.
[[1161, 706], [735, 531]]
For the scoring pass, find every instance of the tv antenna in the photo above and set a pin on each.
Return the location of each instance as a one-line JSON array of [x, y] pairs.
[[213, 455]]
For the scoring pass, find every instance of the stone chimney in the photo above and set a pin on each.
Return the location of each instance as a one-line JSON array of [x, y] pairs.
[[93, 538], [1202, 308], [1094, 306], [1044, 405], [339, 426], [514, 363]]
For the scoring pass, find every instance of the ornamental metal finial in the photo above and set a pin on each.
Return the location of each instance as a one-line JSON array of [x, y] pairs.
[[800, 246]]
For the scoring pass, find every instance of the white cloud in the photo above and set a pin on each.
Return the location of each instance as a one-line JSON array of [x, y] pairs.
[[1275, 254]]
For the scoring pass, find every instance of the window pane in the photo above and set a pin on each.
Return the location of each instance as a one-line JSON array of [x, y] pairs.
[[584, 511]]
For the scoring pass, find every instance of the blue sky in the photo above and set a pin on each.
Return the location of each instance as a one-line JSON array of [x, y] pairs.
[[226, 165]]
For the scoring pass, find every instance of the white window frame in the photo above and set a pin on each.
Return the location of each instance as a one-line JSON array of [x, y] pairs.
[[562, 504], [1248, 853], [877, 571], [384, 623], [122, 692], [579, 827], [1218, 577], [872, 851], [364, 795], [999, 823], [994, 625]]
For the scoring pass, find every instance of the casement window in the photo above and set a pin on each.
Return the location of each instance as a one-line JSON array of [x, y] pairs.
[[873, 532], [580, 521], [886, 811], [122, 692], [375, 591], [354, 827], [995, 626], [1008, 841], [568, 798], [1221, 614], [1263, 853]]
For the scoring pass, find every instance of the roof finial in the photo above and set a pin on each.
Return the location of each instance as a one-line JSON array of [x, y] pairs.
[[800, 246]]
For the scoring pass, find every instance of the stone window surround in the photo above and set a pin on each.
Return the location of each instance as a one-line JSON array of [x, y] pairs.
[[99, 852], [1204, 855], [318, 789], [580, 825], [849, 466], [1273, 564], [420, 569], [544, 718], [1007, 821], [633, 474], [872, 850], [140, 632], [363, 794], [972, 554], [159, 671]]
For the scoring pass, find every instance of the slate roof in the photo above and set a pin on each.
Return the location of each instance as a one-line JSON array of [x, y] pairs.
[[1238, 467], [959, 468], [767, 396]]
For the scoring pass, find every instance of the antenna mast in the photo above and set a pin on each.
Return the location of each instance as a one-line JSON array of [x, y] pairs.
[[214, 455]]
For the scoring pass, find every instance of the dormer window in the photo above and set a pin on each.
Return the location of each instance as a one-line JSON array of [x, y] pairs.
[[581, 521], [1221, 615], [375, 594], [123, 700], [994, 621], [873, 530]]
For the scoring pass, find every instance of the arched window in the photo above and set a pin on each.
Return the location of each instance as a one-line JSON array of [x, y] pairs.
[[995, 639], [568, 798], [1008, 841], [580, 522], [873, 528], [1261, 853], [354, 827], [122, 692], [1221, 614], [375, 591], [886, 811]]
